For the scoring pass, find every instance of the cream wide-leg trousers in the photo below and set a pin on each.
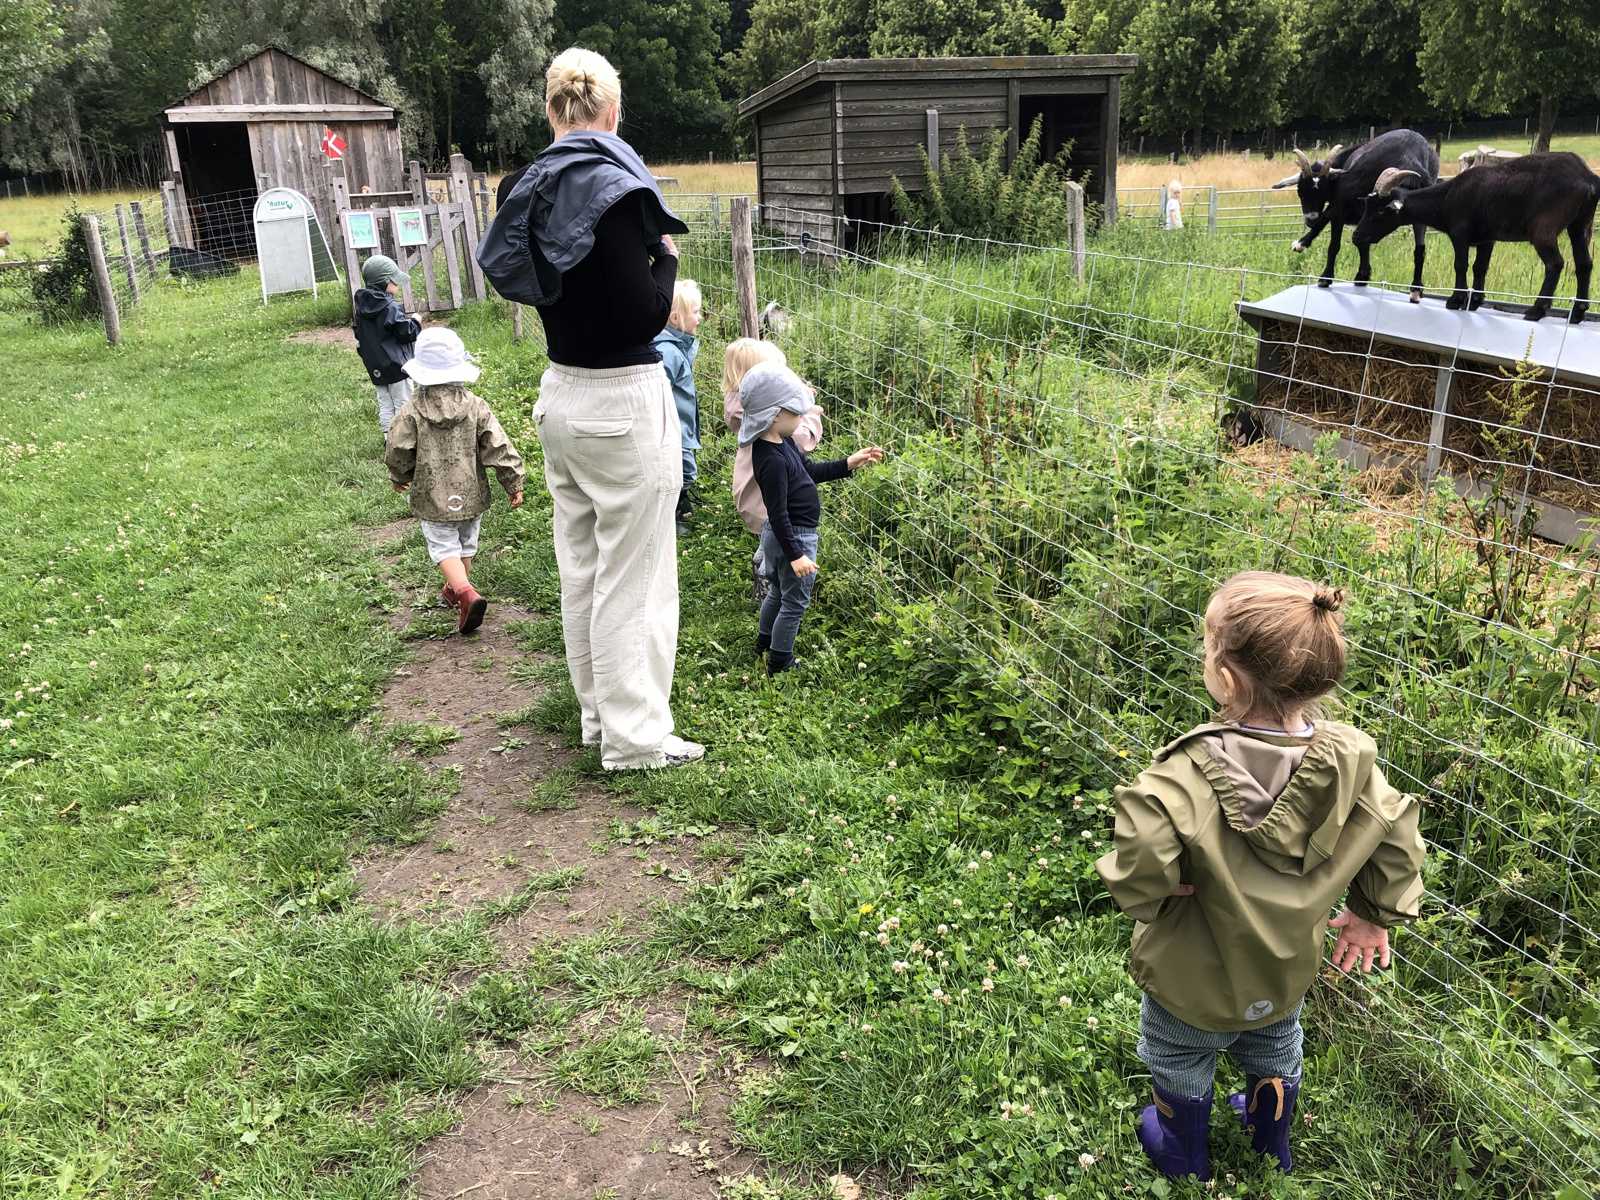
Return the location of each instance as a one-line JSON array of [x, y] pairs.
[[612, 463]]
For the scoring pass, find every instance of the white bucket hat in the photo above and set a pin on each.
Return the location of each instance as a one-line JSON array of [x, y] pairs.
[[441, 357]]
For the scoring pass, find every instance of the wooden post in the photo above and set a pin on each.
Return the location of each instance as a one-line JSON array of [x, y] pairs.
[[427, 254], [516, 321], [461, 193], [102, 279], [451, 219], [341, 236], [1079, 234], [716, 211], [128, 268], [1161, 207], [1211, 211], [418, 181], [143, 234], [744, 266]]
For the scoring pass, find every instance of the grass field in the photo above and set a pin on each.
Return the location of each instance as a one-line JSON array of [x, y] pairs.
[[908, 932]]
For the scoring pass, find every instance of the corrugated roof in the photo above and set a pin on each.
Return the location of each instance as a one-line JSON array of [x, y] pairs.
[[1489, 335]]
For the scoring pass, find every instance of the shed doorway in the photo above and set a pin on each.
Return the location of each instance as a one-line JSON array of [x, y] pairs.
[[220, 183], [1068, 121]]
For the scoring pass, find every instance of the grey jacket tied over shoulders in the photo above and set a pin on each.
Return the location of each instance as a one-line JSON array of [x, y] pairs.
[[546, 225]]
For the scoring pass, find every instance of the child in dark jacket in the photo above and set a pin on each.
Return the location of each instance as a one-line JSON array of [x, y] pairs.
[[385, 335], [774, 400]]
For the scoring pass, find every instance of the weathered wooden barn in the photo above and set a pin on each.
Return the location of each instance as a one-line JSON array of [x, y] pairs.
[[831, 136], [260, 124]]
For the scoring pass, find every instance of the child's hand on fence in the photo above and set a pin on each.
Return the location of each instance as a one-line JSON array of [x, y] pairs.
[[1359, 942], [516, 500], [803, 566], [865, 458], [402, 487]]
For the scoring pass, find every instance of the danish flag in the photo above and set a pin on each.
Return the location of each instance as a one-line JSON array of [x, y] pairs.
[[333, 146]]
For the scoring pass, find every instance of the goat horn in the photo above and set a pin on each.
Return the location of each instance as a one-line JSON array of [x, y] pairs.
[[1334, 153], [1390, 177], [1305, 163], [1287, 181]]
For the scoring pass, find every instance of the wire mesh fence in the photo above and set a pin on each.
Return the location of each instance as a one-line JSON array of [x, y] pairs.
[[1060, 502]]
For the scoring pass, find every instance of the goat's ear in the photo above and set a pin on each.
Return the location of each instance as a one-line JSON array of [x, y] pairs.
[[1336, 170], [1287, 181]]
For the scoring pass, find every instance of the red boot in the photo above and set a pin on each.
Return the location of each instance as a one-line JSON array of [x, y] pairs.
[[472, 607], [447, 596]]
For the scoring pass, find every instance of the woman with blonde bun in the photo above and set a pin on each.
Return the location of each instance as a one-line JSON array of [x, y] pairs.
[[585, 236]]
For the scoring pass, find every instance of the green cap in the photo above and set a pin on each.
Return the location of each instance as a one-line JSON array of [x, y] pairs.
[[380, 270]]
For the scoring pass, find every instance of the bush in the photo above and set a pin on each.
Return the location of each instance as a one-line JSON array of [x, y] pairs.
[[976, 195], [64, 291]]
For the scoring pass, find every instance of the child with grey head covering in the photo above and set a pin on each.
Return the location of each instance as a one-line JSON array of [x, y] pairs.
[[774, 399]]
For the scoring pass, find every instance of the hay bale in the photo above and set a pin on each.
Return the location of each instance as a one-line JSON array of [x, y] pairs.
[[1382, 396]]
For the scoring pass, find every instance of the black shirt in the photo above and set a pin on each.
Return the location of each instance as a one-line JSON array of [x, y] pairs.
[[615, 300], [788, 482]]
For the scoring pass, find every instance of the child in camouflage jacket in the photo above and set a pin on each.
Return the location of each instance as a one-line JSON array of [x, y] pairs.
[[440, 447]]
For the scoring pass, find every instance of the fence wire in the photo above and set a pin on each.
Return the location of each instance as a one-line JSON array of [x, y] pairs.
[[1075, 468]]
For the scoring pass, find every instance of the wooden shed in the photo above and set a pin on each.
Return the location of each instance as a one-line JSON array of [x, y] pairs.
[[260, 124], [831, 136]]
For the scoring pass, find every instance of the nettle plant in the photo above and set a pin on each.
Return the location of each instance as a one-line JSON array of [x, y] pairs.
[[979, 196]]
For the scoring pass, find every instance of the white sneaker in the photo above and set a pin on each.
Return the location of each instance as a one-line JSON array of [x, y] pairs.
[[680, 753]]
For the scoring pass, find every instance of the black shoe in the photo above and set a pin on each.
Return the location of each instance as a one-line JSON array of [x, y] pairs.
[[763, 643], [685, 506], [683, 527], [777, 663]]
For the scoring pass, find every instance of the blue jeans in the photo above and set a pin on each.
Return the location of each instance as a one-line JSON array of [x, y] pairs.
[[690, 470], [788, 595], [1183, 1059]]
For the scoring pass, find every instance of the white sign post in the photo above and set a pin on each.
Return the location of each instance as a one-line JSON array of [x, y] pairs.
[[291, 247]]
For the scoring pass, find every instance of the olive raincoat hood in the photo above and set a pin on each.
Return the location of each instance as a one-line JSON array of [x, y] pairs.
[[1267, 868]]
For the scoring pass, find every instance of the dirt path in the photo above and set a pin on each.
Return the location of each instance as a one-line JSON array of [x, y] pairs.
[[616, 1095]]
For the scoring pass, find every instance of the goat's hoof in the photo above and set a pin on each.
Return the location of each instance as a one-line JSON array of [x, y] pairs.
[[1362, 282], [1535, 314], [1476, 302], [1416, 296], [1575, 317], [1456, 303]]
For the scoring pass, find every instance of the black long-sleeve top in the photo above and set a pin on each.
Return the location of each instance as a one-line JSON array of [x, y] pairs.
[[615, 300], [788, 482]]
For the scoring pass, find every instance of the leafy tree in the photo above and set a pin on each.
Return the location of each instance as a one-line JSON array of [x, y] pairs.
[[64, 290], [782, 36], [918, 29], [1360, 60], [667, 53], [32, 40], [1499, 55], [1208, 64]]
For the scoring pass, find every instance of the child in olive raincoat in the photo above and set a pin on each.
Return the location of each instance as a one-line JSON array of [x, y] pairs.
[[1231, 850], [444, 440]]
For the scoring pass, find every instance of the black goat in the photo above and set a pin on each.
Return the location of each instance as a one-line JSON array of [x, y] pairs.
[[1332, 190], [1527, 199]]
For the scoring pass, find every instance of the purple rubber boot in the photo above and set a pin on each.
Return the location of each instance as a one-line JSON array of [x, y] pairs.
[[1266, 1109], [1174, 1134]]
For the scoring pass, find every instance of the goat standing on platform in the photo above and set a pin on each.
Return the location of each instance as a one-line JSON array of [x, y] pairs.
[[1331, 192], [1527, 199]]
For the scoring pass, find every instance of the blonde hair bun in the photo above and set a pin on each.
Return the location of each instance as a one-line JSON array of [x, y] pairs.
[[580, 87], [1328, 600]]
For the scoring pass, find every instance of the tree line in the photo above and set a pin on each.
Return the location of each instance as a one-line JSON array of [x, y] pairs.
[[468, 74]]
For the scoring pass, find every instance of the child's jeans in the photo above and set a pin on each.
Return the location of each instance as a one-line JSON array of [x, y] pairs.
[[1183, 1059], [691, 470], [391, 399], [788, 595]]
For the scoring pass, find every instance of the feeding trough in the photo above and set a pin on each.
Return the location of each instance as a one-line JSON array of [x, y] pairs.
[[1435, 392]]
